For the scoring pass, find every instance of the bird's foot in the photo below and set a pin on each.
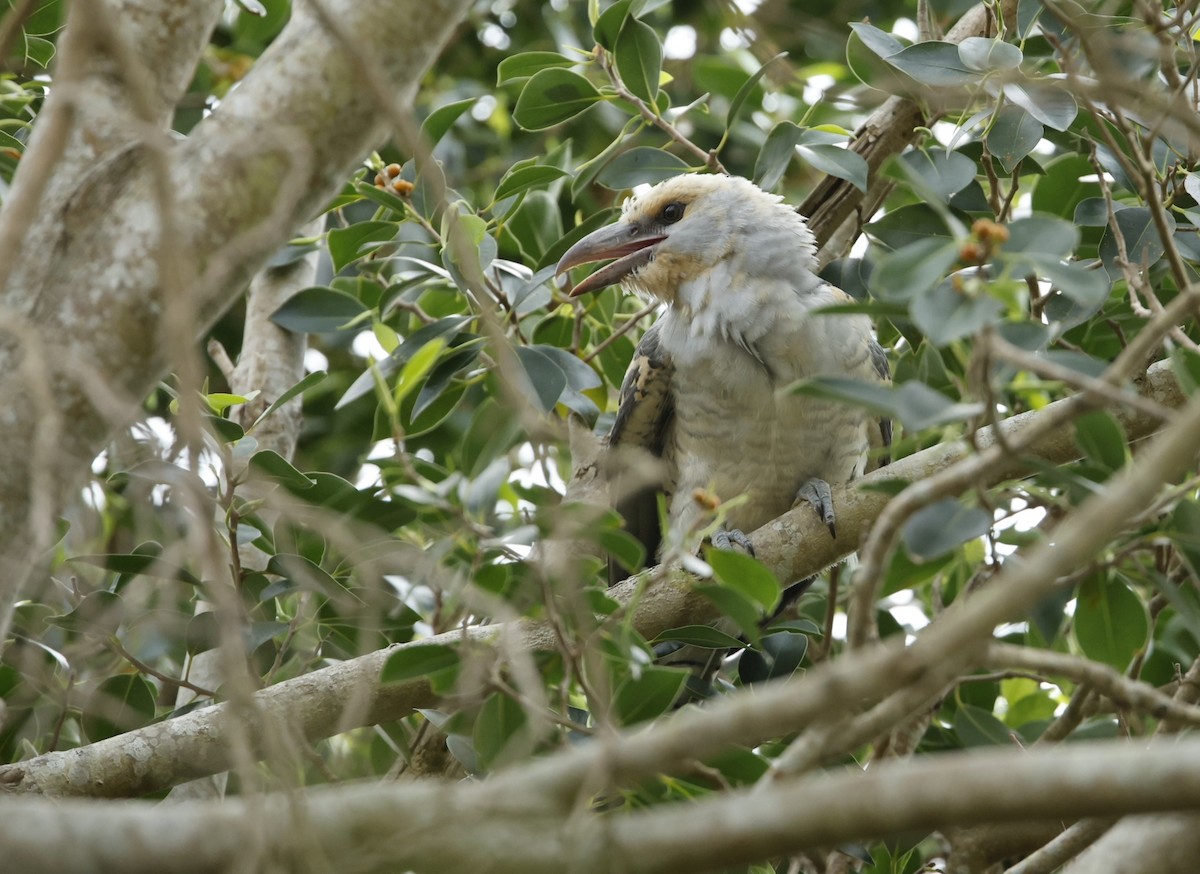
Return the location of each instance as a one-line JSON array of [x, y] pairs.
[[733, 538], [816, 493]]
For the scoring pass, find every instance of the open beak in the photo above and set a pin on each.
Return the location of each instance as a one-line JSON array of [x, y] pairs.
[[631, 247]]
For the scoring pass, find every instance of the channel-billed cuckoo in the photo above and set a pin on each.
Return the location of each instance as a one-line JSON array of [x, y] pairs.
[[735, 270]]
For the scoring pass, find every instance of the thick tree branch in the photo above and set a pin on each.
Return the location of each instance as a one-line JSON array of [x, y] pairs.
[[418, 825], [347, 695], [277, 148]]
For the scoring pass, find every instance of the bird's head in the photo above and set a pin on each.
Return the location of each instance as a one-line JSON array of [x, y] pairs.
[[683, 228]]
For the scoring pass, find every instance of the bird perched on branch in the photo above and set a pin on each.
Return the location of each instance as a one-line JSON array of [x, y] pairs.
[[735, 270]]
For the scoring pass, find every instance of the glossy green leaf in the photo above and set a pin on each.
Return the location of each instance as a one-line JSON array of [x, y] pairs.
[[913, 269], [1042, 234], [907, 225], [274, 467], [739, 607], [640, 165], [1143, 245], [945, 314], [638, 54], [1013, 135], [934, 63], [981, 54], [747, 88], [943, 526], [838, 162], [552, 96], [365, 383], [416, 661], [520, 179], [624, 547], [976, 727], [704, 636], [1102, 440], [777, 656], [649, 695], [1110, 621], [499, 728], [545, 377], [318, 311], [349, 244], [913, 403], [438, 122], [746, 575], [1046, 100], [309, 381], [944, 173], [525, 64]]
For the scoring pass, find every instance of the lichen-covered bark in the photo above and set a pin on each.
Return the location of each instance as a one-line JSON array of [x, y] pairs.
[[155, 239]]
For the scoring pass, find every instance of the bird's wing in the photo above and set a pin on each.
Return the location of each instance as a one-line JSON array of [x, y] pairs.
[[641, 443], [870, 362]]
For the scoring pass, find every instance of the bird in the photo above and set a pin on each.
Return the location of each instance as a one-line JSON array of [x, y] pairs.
[[734, 271]]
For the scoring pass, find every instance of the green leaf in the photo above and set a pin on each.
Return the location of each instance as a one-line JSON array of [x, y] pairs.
[[942, 527], [979, 53], [638, 54], [119, 704], [624, 547], [777, 656], [417, 367], [525, 64], [501, 722], [880, 42], [977, 727], [776, 154], [837, 162], [551, 97], [1042, 234], [438, 122], [520, 179], [304, 572], [1045, 100], [913, 269], [746, 575], [914, 403], [700, 635], [349, 244], [275, 467], [934, 63], [641, 164], [310, 380], [1143, 245], [545, 376], [735, 605], [608, 26], [1013, 135], [318, 310], [1062, 188], [944, 173], [945, 314], [649, 695], [907, 225], [1110, 621], [1089, 288], [414, 662], [144, 560], [1102, 440], [743, 93], [365, 383]]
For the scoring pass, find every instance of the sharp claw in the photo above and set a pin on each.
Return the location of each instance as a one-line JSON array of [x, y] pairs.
[[817, 494], [731, 538]]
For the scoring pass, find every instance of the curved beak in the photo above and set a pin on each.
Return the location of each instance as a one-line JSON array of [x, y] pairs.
[[631, 246]]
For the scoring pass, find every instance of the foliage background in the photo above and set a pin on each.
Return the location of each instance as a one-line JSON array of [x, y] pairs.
[[1036, 243]]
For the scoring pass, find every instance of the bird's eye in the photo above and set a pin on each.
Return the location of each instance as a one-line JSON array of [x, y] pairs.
[[672, 213]]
